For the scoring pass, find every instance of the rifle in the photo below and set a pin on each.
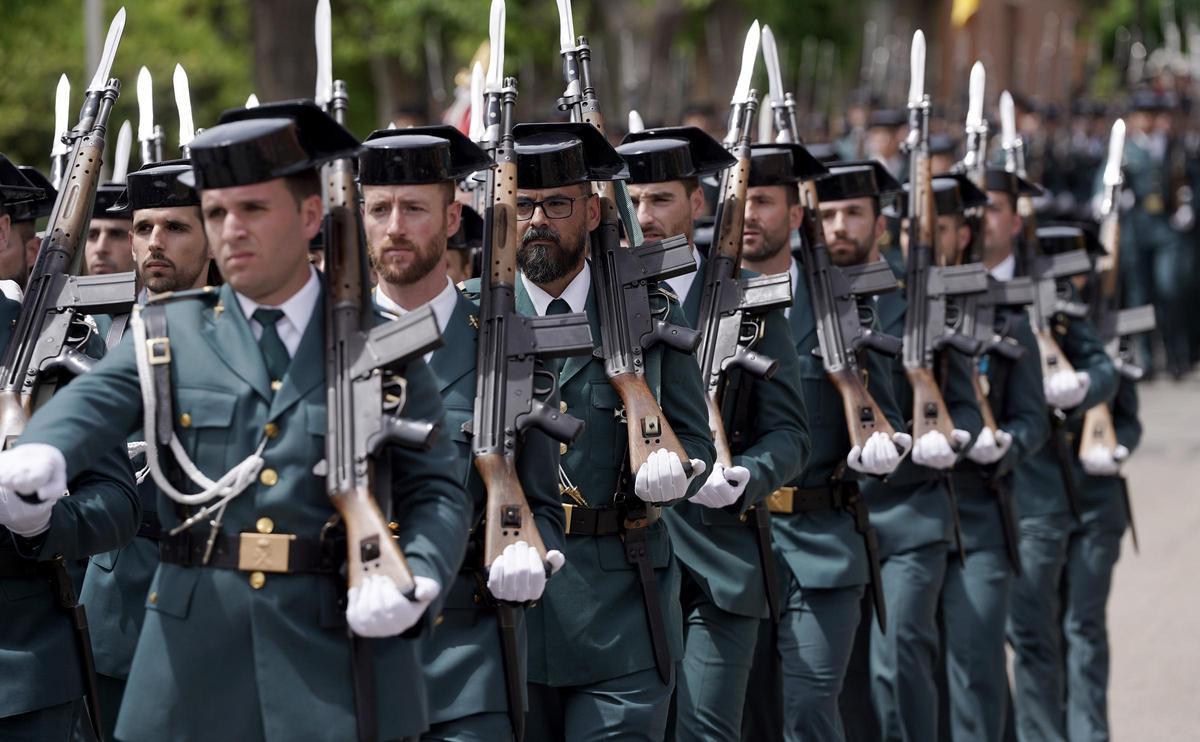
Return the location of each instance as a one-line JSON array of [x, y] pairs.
[[623, 275], [50, 335]]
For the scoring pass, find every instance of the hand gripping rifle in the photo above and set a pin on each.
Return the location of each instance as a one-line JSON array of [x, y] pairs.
[[843, 326], [623, 276]]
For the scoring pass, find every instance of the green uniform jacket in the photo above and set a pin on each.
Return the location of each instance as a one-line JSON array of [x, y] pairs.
[[1037, 482], [1102, 498], [822, 549], [39, 663], [718, 546], [115, 586], [911, 507], [1020, 409], [591, 623], [217, 658], [463, 662]]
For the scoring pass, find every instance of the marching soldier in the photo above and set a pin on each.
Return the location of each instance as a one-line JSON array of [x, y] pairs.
[[170, 252], [26, 216], [818, 520], [407, 177], [22, 198], [915, 513], [244, 614], [592, 666], [45, 668], [974, 600], [723, 594], [109, 247]]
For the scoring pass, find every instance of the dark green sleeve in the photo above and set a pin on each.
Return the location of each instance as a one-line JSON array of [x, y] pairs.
[[781, 446], [1024, 414], [1086, 353], [431, 506], [538, 470], [683, 401], [1125, 415]]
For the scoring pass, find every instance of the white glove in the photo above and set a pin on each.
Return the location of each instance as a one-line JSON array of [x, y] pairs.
[[1099, 463], [34, 468], [661, 478], [1065, 390], [932, 450], [378, 608], [723, 486], [23, 518], [990, 447], [518, 575], [880, 455]]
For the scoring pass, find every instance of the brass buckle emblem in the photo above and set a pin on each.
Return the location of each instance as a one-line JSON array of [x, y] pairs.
[[159, 350], [264, 552], [781, 500]]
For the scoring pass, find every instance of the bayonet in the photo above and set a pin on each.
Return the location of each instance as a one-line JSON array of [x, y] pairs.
[[741, 91], [59, 149], [975, 96], [324, 39], [252, 101], [121, 154], [635, 123], [115, 29], [150, 136], [475, 129], [183, 101], [494, 82]]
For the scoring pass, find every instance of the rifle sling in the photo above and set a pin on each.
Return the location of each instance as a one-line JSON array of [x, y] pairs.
[[116, 330], [154, 317]]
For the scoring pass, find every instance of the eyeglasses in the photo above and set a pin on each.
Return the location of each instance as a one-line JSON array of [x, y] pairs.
[[555, 207]]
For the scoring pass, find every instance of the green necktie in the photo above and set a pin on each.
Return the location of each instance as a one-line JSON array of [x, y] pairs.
[[558, 306], [275, 353]]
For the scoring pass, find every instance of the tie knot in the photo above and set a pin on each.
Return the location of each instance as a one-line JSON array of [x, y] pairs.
[[558, 306], [267, 317]]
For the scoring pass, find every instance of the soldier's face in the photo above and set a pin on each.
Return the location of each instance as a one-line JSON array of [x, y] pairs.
[[1001, 225], [259, 235], [666, 209], [552, 248], [852, 227], [770, 220], [109, 248], [12, 252], [170, 248], [406, 228]]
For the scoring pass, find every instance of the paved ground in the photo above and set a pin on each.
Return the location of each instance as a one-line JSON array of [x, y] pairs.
[[1154, 612]]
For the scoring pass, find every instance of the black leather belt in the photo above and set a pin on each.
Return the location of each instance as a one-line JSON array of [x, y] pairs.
[[150, 527], [16, 567], [792, 500], [255, 552], [583, 521]]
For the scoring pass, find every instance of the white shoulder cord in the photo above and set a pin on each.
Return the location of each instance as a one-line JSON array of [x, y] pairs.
[[229, 486]]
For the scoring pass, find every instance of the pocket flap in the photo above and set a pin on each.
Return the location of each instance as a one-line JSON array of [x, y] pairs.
[[316, 419], [604, 397], [171, 590], [206, 408]]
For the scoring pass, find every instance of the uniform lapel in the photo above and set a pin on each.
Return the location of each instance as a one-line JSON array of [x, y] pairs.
[[890, 311], [307, 369], [575, 364], [691, 302], [456, 357], [228, 332], [800, 319]]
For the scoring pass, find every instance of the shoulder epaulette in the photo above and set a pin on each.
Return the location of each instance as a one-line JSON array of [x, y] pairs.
[[205, 293]]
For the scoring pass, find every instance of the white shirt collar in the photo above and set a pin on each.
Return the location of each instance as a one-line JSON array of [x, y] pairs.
[[297, 311], [443, 304], [575, 294], [1005, 269], [681, 285]]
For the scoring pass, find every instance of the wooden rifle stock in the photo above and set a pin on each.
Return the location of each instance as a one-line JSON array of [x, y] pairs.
[[1098, 430], [929, 409], [862, 413], [646, 425], [716, 426], [508, 517]]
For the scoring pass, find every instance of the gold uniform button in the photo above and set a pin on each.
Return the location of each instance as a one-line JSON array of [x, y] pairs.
[[271, 430], [153, 598], [268, 477], [438, 621], [185, 420], [257, 580], [562, 449], [264, 525], [276, 385], [562, 407]]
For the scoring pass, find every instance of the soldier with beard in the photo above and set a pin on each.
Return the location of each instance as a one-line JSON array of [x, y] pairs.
[[818, 520], [407, 178], [592, 666], [723, 592]]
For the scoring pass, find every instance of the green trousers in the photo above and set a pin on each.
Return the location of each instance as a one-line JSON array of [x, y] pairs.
[[485, 727], [718, 651], [632, 707], [51, 724]]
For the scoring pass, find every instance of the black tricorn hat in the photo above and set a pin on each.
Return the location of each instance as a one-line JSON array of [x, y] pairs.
[[14, 186], [781, 164], [1061, 238], [942, 144], [470, 231], [889, 118], [157, 186], [855, 179], [550, 155], [28, 211], [108, 196], [672, 153], [825, 152], [952, 194], [1090, 230], [273, 140], [1150, 101], [999, 179], [419, 155]]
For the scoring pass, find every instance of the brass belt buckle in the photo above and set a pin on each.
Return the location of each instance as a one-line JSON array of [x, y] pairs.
[[159, 351], [782, 500], [264, 552]]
